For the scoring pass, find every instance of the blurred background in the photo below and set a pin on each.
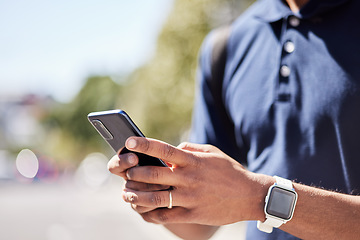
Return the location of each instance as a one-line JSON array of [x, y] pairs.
[[61, 60]]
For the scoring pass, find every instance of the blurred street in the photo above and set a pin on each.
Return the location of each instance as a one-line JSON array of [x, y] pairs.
[[68, 210]]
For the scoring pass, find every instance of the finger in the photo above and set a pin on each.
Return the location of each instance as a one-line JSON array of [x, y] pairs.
[[165, 216], [119, 164], [159, 199], [146, 187], [158, 149], [154, 175], [141, 209]]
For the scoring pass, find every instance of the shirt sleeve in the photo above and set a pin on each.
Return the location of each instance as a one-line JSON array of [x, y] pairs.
[[210, 122]]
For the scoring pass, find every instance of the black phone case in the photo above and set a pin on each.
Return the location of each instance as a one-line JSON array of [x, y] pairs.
[[116, 127]]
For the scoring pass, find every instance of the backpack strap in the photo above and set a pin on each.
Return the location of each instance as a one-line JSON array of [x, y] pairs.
[[218, 57], [218, 61], [225, 128]]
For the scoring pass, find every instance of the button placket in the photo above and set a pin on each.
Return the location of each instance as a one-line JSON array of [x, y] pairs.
[[288, 47], [285, 71]]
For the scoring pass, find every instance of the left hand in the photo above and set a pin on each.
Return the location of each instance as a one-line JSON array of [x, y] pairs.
[[144, 187], [209, 187]]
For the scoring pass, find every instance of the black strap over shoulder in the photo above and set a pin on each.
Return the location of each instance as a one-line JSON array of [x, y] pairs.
[[218, 59], [223, 129], [218, 62]]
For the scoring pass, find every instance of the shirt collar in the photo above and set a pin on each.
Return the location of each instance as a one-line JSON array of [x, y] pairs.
[[274, 10]]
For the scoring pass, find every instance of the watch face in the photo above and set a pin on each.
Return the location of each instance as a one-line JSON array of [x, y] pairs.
[[281, 203]]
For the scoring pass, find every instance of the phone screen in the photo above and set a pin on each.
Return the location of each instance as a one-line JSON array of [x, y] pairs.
[[116, 127]]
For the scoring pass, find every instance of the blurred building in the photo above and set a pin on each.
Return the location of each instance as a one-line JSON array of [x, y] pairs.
[[20, 118], [20, 126]]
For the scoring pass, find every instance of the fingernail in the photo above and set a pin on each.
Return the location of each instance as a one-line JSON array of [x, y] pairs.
[[128, 196], [132, 159], [131, 143], [127, 174]]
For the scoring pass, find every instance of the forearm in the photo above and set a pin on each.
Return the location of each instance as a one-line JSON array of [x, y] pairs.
[[203, 174], [192, 231], [321, 214]]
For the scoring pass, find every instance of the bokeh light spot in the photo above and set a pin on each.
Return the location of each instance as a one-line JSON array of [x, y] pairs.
[[27, 163], [92, 171]]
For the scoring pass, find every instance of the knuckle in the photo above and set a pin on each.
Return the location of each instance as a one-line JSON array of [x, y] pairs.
[[145, 146], [168, 151], [157, 200], [155, 174], [162, 216]]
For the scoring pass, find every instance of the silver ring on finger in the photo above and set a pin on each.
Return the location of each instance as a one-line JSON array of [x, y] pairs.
[[170, 200]]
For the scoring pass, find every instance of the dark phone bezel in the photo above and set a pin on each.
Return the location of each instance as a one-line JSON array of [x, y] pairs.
[[119, 125]]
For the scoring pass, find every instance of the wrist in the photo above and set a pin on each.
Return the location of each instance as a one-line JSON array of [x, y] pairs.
[[260, 185]]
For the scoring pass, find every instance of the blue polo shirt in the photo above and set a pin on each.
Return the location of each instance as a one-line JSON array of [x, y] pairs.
[[291, 90]]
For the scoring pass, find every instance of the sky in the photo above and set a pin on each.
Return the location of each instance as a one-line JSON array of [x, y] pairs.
[[50, 47]]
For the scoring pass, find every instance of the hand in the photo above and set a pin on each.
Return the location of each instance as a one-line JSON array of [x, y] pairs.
[[119, 164], [209, 187]]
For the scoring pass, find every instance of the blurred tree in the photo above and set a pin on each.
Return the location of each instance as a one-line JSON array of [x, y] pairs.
[[158, 96], [161, 94], [72, 136]]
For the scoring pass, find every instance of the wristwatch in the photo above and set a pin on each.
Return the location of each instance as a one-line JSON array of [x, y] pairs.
[[280, 204]]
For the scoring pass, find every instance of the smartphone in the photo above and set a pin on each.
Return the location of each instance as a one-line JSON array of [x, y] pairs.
[[115, 126]]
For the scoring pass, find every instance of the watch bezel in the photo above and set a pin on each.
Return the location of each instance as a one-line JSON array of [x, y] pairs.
[[278, 215]]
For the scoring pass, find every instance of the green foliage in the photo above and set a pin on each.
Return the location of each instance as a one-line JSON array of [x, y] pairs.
[[97, 94], [162, 92], [158, 96], [68, 125]]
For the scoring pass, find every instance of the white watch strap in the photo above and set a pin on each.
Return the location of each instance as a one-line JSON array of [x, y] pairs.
[[268, 225], [270, 222], [284, 183]]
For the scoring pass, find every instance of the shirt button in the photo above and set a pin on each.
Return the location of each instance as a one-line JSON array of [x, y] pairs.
[[289, 47], [294, 21], [285, 71]]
